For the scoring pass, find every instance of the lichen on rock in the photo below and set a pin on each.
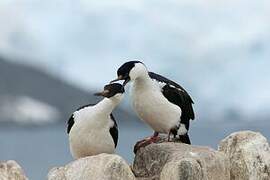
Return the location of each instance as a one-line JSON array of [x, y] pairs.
[[11, 170], [102, 166], [176, 161], [249, 155]]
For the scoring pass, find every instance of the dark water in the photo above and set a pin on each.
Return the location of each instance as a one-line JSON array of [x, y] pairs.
[[40, 149]]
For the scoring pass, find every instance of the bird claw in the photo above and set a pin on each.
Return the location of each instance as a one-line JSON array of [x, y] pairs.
[[145, 142]]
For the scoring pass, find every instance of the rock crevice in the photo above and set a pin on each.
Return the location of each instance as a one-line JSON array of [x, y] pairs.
[[180, 161]]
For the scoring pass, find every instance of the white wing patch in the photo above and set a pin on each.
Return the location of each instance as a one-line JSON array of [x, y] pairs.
[[159, 84], [162, 84], [111, 123], [182, 129], [177, 88]]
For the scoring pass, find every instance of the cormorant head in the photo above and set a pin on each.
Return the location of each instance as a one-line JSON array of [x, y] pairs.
[[114, 90], [130, 71]]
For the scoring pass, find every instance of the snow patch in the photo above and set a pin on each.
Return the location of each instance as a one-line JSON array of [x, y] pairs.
[[26, 110]]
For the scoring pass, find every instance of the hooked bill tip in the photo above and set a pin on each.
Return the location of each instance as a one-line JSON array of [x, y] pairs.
[[117, 79]]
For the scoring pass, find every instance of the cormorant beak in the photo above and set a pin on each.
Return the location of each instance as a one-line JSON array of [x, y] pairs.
[[103, 93], [118, 79], [126, 81]]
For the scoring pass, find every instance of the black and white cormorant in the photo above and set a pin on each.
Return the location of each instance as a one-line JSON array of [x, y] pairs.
[[161, 103], [92, 129]]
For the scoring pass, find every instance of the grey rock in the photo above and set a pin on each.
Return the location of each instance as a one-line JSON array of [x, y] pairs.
[[10, 170], [177, 161], [249, 155], [100, 167]]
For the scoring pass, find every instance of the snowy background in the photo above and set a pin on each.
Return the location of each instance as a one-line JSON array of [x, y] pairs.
[[218, 50]]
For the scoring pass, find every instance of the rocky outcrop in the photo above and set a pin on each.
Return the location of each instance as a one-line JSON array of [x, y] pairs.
[[174, 161], [103, 167], [249, 155], [10, 170], [243, 155]]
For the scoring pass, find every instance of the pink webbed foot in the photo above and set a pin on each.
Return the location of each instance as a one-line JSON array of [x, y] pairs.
[[145, 142]]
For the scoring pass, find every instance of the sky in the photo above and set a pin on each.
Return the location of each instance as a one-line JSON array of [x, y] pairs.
[[218, 50]]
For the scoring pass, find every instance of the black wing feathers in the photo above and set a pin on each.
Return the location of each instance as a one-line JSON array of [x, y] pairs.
[[181, 99], [167, 81], [70, 123], [176, 94], [114, 131]]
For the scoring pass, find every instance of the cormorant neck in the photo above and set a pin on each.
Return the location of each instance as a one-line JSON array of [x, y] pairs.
[[138, 72], [107, 105], [143, 81]]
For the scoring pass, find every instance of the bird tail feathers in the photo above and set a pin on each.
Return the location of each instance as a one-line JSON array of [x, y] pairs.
[[185, 139]]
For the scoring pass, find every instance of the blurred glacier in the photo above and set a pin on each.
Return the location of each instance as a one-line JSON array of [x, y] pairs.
[[218, 50], [26, 110]]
